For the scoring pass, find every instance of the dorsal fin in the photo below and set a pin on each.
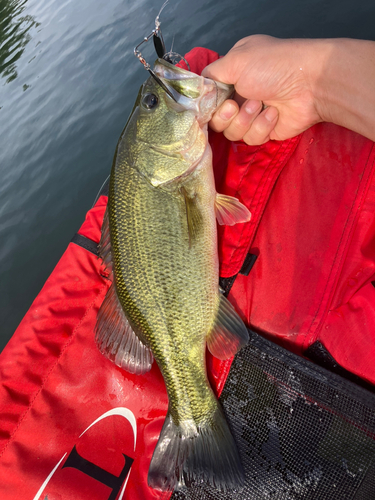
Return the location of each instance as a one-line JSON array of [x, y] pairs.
[[105, 244], [228, 334], [116, 339], [230, 211]]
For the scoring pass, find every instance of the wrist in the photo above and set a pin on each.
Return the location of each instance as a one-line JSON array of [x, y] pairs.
[[328, 91], [316, 54]]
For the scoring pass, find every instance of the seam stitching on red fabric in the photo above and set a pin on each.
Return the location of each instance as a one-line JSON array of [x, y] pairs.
[[276, 164], [236, 250], [252, 160], [259, 194], [343, 252], [12, 436]]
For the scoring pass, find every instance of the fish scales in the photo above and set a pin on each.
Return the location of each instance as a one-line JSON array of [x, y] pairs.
[[174, 298], [159, 234]]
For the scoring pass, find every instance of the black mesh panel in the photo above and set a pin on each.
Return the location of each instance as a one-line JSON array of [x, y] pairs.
[[302, 432]]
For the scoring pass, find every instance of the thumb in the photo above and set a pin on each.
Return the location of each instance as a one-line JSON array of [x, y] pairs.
[[223, 70]]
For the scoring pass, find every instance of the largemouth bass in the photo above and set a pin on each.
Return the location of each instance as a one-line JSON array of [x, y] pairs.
[[159, 240]]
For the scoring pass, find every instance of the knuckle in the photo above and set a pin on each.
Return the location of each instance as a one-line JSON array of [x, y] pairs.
[[262, 127], [216, 125], [231, 135], [258, 133]]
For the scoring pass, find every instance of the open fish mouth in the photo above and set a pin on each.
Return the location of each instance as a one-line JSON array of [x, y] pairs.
[[191, 91]]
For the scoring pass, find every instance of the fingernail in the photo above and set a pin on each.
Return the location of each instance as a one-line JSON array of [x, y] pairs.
[[252, 106], [270, 114], [227, 111]]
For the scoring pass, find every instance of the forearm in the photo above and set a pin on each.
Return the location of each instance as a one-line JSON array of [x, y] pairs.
[[344, 84]]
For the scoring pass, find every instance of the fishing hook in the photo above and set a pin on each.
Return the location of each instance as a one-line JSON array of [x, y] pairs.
[[160, 50], [158, 41]]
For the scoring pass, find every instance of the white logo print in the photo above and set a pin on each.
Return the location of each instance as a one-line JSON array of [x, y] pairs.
[[121, 411]]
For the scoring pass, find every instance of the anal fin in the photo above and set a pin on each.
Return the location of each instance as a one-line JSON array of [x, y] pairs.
[[229, 332], [116, 339], [230, 211]]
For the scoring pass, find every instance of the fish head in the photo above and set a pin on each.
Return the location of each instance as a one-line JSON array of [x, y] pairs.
[[170, 121]]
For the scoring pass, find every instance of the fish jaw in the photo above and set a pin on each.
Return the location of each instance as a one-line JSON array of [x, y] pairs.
[[191, 91]]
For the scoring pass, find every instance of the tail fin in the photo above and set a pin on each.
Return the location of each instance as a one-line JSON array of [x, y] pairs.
[[188, 453]]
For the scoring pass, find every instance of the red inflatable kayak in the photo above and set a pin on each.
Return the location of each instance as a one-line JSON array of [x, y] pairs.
[[300, 273]]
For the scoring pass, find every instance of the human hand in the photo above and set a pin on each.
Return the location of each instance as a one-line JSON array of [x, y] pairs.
[[278, 73]]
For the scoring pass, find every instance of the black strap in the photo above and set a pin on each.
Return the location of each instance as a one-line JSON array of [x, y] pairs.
[[319, 354], [85, 243], [227, 283], [248, 264]]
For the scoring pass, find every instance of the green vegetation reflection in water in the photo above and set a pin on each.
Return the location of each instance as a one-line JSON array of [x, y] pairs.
[[14, 35]]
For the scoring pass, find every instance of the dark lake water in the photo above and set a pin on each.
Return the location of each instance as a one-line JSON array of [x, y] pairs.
[[68, 80]]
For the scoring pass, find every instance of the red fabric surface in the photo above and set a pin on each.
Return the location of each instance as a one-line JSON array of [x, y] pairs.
[[55, 384], [315, 242], [312, 200]]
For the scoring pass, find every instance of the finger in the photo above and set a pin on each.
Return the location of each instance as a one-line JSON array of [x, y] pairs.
[[224, 70], [242, 122], [217, 71], [224, 115], [261, 127]]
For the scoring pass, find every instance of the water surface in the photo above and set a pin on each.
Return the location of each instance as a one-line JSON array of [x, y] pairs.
[[68, 80]]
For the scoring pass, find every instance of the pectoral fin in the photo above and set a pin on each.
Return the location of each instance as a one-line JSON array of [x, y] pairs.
[[229, 333], [117, 340], [193, 216], [230, 211]]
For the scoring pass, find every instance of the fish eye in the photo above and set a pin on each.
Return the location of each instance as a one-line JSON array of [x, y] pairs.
[[149, 101]]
